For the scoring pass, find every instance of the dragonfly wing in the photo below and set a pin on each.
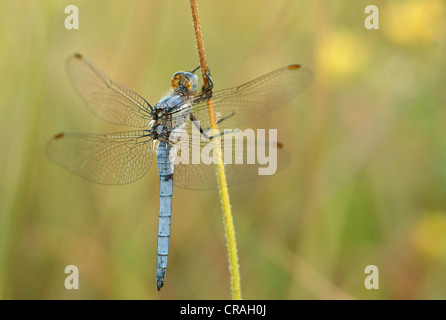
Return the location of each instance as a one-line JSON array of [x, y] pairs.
[[107, 99], [194, 170], [115, 158], [239, 105]]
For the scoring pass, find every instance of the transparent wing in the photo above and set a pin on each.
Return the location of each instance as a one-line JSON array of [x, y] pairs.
[[115, 158], [239, 105], [107, 99], [192, 171]]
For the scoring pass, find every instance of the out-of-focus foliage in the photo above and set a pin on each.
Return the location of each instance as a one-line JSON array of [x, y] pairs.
[[366, 183]]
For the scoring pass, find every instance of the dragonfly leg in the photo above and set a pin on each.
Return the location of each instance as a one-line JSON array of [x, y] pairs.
[[203, 132], [210, 84], [193, 71], [222, 133], [206, 91], [221, 120], [197, 125]]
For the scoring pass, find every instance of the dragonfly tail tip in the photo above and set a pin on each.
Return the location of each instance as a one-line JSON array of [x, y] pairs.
[[159, 284]]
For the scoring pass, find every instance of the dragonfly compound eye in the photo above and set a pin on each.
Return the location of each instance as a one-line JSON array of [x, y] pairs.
[[192, 81], [185, 80], [176, 79]]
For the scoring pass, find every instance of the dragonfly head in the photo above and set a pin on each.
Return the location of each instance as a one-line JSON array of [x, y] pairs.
[[185, 82]]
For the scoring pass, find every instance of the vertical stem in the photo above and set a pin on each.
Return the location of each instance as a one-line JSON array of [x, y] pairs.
[[221, 176]]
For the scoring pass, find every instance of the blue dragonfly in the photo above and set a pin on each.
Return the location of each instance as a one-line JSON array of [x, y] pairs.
[[168, 126]]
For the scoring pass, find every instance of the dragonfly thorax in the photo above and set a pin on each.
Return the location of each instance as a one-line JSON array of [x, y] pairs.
[[169, 114], [185, 82]]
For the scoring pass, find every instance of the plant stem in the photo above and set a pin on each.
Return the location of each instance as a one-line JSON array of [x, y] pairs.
[[221, 176]]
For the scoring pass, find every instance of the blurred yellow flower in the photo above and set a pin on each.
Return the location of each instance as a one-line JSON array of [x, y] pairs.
[[341, 54], [429, 236], [414, 22]]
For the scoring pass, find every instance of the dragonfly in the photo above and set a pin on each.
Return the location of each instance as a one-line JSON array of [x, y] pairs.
[[167, 128]]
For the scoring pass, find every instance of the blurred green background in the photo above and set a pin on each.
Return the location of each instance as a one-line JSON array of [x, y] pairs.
[[366, 184]]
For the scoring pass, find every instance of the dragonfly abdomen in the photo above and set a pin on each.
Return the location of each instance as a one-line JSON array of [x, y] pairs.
[[166, 170]]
